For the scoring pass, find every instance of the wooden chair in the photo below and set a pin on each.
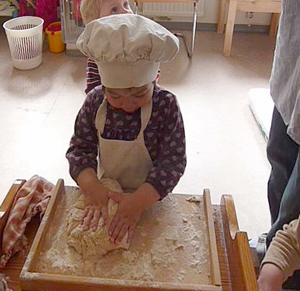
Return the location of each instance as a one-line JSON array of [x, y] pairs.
[[246, 6], [189, 47]]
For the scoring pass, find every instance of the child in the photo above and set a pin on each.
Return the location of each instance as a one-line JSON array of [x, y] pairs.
[[91, 10], [282, 258], [133, 126]]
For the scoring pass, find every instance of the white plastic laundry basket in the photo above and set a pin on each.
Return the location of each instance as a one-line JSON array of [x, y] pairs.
[[25, 39]]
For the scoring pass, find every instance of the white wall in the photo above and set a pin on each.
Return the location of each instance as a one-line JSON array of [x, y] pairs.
[[211, 15]]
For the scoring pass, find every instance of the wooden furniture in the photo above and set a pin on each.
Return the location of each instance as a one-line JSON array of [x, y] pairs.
[[189, 47], [231, 251], [8, 12], [273, 7]]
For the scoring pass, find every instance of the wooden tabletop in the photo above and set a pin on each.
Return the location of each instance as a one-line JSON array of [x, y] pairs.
[[236, 267]]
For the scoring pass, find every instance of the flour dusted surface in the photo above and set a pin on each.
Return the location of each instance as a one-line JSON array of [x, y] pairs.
[[170, 244]]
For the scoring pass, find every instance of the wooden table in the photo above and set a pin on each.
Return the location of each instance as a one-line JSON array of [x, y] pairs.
[[236, 267], [271, 6]]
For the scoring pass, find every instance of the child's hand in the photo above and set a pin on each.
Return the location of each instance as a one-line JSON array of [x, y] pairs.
[[96, 199], [129, 211], [95, 206], [126, 217]]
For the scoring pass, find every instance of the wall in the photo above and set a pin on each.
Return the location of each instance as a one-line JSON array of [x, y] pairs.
[[211, 15]]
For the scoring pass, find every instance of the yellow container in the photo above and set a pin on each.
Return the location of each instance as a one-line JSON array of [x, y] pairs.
[[55, 42]]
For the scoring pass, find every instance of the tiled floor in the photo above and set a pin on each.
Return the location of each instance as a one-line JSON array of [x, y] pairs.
[[226, 152]]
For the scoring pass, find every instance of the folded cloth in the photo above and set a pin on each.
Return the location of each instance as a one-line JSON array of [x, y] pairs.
[[30, 200]]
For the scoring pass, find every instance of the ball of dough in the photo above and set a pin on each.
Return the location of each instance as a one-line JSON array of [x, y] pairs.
[[93, 244]]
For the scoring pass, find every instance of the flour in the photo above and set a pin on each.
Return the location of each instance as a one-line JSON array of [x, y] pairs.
[[170, 244], [196, 199]]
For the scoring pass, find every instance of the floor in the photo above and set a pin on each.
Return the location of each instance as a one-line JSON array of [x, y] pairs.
[[225, 149]]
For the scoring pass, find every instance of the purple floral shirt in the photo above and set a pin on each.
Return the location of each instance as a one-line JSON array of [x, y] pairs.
[[164, 137]]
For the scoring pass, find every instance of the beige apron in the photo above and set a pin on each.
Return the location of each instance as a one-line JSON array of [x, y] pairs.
[[128, 162]]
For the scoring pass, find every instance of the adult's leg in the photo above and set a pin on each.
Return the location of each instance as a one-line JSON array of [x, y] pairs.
[[290, 202], [282, 153]]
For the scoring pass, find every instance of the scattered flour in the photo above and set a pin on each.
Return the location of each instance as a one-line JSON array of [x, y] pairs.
[[196, 199], [170, 236]]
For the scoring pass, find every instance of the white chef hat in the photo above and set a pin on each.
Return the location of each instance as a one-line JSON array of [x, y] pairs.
[[127, 48]]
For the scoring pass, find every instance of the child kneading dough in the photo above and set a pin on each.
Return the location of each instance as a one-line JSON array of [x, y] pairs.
[[129, 129]]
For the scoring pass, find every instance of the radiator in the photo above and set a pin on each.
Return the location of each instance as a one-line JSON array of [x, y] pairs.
[[172, 9]]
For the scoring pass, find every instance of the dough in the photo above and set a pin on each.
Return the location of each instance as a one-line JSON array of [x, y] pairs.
[[93, 244]]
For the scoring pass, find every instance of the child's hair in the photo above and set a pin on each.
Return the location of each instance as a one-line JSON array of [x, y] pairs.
[[90, 10]]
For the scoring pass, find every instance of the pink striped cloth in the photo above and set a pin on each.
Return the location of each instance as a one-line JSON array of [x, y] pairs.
[[30, 200]]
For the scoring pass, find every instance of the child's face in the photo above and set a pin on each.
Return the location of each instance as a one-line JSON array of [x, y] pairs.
[[110, 7], [131, 99]]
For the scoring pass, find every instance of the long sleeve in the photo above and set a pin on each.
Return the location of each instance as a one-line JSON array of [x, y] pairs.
[[83, 149], [284, 250], [92, 76], [170, 162]]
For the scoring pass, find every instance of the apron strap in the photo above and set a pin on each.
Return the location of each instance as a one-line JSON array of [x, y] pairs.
[[101, 116], [146, 112]]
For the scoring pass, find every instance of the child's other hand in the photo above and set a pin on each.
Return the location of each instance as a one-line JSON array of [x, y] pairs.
[[129, 211], [126, 217]]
